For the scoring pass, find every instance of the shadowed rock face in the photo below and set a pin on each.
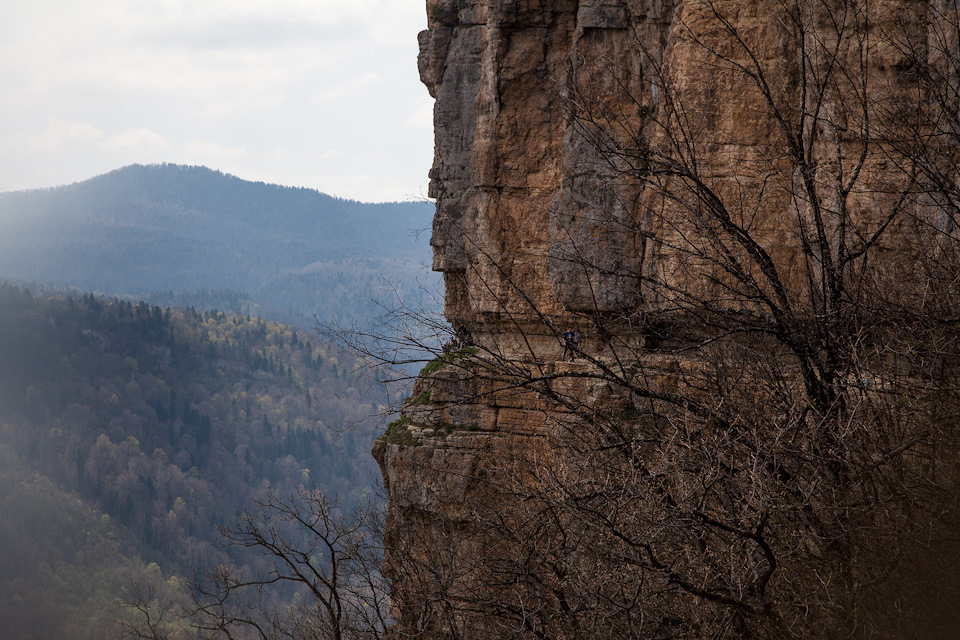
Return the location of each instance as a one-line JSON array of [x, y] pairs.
[[546, 114]]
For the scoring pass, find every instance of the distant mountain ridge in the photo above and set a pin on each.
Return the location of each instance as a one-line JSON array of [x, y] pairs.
[[171, 230]]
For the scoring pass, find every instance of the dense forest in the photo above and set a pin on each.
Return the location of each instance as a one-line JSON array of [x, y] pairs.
[[128, 431], [182, 235]]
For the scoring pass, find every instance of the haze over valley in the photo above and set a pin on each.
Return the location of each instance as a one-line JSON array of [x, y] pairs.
[[147, 390]]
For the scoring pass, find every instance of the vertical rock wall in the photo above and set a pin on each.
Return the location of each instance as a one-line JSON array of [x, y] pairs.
[[540, 226], [528, 230], [533, 229]]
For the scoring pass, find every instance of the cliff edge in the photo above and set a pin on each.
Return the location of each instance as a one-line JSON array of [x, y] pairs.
[[733, 204]]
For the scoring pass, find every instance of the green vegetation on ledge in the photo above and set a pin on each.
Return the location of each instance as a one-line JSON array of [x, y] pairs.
[[438, 363], [398, 432]]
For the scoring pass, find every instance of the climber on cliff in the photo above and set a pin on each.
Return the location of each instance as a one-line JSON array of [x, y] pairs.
[[462, 338], [571, 344]]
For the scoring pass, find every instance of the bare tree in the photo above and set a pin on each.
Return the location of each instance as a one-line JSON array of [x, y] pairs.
[[324, 580], [764, 444], [150, 613]]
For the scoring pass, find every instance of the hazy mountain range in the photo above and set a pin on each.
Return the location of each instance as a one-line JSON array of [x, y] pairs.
[[128, 431], [191, 236]]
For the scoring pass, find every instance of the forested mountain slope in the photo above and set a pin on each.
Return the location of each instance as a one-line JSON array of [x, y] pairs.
[[141, 428], [193, 236], [63, 563]]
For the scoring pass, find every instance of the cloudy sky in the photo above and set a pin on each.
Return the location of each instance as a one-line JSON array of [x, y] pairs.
[[314, 93]]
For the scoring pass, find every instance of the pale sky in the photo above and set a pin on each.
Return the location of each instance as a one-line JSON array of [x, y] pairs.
[[312, 93]]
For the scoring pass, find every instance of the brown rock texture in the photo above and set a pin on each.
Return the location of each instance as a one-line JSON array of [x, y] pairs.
[[549, 115], [521, 193]]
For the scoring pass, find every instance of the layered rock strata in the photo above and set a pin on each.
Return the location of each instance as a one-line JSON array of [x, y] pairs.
[[547, 115]]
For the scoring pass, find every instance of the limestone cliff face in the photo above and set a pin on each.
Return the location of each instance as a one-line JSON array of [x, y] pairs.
[[520, 190], [547, 112], [528, 233]]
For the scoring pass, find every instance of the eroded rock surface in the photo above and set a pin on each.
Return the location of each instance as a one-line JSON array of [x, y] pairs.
[[546, 113]]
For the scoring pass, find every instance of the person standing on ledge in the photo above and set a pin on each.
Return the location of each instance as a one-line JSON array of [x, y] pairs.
[[567, 344], [571, 343]]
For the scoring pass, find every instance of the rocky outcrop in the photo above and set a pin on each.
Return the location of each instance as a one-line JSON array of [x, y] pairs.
[[523, 198], [528, 234], [549, 114]]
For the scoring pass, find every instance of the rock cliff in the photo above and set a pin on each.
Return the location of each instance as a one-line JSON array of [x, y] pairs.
[[520, 188], [648, 172]]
